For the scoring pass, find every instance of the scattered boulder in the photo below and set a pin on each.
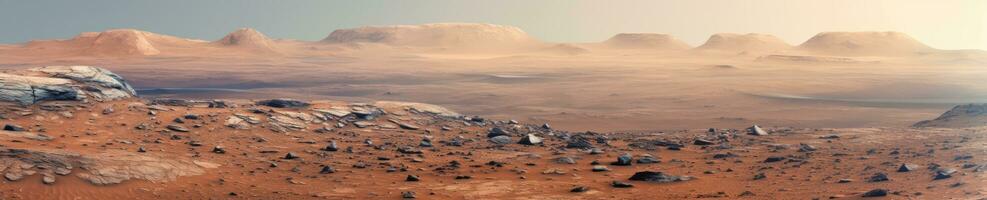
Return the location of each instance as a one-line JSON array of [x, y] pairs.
[[756, 130], [876, 193], [178, 128], [291, 155], [501, 140], [944, 173], [906, 167], [331, 147], [702, 142], [565, 160], [621, 184], [530, 139], [803, 147], [578, 143], [774, 159], [623, 160], [327, 170], [13, 127], [497, 131], [878, 177]]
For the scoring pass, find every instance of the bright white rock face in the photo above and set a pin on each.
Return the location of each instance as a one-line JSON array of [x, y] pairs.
[[77, 83]]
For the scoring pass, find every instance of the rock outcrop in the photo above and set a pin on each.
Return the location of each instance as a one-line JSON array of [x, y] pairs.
[[76, 83]]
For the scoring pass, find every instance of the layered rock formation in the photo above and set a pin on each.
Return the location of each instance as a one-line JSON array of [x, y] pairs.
[[62, 83]]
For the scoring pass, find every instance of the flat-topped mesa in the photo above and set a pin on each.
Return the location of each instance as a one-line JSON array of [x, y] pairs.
[[864, 44], [457, 35], [751, 42], [53, 83], [646, 41]]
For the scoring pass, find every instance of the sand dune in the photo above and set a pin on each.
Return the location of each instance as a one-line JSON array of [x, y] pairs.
[[451, 35], [864, 44], [646, 41], [751, 42]]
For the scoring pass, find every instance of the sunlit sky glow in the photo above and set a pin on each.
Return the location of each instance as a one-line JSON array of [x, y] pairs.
[[945, 24]]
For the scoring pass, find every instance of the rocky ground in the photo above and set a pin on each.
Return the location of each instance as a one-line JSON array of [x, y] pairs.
[[109, 148]]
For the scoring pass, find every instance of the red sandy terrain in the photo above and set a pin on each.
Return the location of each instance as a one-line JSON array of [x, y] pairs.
[[835, 111]]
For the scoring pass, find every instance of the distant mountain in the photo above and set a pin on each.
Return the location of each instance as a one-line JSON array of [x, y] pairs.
[[653, 41], [961, 116], [864, 44], [448, 35], [248, 38], [751, 42]]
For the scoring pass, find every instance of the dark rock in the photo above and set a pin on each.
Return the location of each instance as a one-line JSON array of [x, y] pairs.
[[291, 155], [178, 128], [497, 131], [218, 149], [220, 104], [141, 149], [803, 147], [702, 142], [501, 140], [878, 177], [579, 189], [331, 146], [530, 139], [546, 126], [600, 168], [620, 184], [409, 150], [578, 143], [13, 127], [284, 103], [876, 193], [366, 113], [327, 170], [425, 143], [944, 173], [412, 178], [905, 167], [774, 159], [565, 160], [760, 176], [648, 160], [408, 195], [657, 177], [724, 155], [623, 160], [756, 130]]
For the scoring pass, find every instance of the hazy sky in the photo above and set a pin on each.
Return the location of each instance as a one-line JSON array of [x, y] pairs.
[[946, 24]]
